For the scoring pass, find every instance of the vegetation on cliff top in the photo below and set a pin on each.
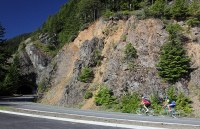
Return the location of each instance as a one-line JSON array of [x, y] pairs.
[[77, 14]]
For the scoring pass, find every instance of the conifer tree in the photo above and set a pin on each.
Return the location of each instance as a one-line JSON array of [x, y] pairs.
[[173, 63], [2, 54], [2, 33]]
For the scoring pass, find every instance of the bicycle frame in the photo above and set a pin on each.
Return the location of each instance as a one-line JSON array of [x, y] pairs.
[[171, 113]]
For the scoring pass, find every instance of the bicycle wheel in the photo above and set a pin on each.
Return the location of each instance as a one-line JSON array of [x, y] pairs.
[[175, 114], [150, 112], [163, 113], [138, 111]]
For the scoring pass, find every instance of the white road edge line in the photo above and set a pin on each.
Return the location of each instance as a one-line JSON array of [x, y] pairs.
[[81, 121], [112, 118]]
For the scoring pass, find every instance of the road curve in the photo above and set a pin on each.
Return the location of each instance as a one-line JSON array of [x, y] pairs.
[[101, 114]]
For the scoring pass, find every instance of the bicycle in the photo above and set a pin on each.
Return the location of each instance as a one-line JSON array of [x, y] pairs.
[[142, 111], [173, 113]]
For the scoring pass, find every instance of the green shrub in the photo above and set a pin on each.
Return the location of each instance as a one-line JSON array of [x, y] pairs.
[[179, 9], [184, 103], [41, 86], [158, 8], [108, 14], [86, 75], [124, 37], [97, 57], [194, 8], [130, 103], [193, 22], [155, 102], [131, 65], [171, 93], [140, 14], [105, 97], [48, 49], [130, 52], [88, 94], [174, 29]]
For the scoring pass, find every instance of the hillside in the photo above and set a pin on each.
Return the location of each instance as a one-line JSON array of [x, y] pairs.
[[113, 57]]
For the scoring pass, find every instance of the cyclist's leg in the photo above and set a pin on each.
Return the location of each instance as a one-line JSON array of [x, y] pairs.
[[169, 107], [146, 107]]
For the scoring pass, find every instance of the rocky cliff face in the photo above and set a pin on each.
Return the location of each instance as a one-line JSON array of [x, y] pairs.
[[109, 39], [147, 37]]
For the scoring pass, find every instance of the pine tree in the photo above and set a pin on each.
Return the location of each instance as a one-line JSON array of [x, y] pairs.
[[11, 81], [158, 8], [173, 64], [2, 58], [2, 33], [179, 9], [3, 53]]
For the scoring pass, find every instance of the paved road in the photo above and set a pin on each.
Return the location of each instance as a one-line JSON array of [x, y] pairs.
[[8, 121], [110, 115], [115, 115]]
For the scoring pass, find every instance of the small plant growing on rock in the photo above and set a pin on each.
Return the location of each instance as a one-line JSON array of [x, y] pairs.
[[86, 75], [88, 94], [97, 57], [131, 65], [193, 22], [124, 37], [130, 52], [105, 97]]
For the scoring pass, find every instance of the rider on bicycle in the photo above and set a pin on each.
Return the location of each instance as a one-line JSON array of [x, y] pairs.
[[146, 103], [169, 104]]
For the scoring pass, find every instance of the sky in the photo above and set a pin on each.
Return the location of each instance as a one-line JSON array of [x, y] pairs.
[[22, 16]]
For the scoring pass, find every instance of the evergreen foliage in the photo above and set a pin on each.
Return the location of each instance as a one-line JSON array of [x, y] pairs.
[[171, 93], [193, 22], [86, 75], [2, 33], [179, 9], [130, 52], [129, 103], [88, 94], [76, 14], [194, 9], [158, 8], [173, 63], [11, 81], [105, 97], [155, 102], [183, 103]]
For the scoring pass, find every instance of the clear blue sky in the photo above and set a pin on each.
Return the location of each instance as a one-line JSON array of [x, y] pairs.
[[22, 16]]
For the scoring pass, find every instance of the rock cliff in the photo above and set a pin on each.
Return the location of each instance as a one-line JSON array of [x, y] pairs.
[[60, 74]]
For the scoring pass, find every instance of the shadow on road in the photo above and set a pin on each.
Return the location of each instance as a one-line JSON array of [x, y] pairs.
[[23, 98]]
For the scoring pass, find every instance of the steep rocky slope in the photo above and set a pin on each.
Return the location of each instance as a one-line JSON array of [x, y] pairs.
[[59, 75]]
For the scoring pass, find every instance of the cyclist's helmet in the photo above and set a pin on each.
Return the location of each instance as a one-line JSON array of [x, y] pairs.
[[144, 97]]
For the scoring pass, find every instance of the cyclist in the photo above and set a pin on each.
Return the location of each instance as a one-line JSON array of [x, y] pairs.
[[146, 103], [169, 104]]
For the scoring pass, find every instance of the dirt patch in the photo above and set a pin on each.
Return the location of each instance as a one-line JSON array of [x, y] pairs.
[[68, 56], [194, 96], [193, 52]]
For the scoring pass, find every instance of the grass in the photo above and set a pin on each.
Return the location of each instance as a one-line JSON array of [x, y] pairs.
[[3, 108]]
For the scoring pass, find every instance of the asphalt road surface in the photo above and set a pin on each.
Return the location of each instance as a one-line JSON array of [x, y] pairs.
[[8, 121], [102, 114], [88, 113]]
